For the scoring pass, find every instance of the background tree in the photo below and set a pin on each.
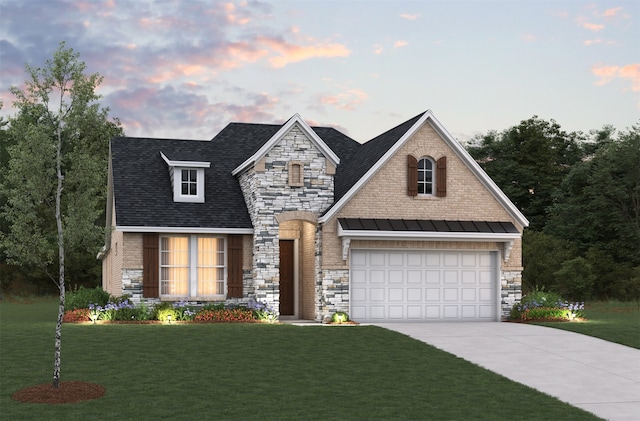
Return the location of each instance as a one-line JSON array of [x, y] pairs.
[[528, 162], [55, 180]]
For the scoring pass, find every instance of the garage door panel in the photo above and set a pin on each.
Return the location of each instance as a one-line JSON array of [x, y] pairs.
[[396, 294], [396, 312], [414, 277], [423, 285], [376, 294], [414, 295], [396, 276]]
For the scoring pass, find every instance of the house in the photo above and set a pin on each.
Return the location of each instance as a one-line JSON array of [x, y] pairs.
[[403, 227]]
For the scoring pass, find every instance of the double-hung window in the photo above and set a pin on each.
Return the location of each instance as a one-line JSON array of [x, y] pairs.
[[192, 266]]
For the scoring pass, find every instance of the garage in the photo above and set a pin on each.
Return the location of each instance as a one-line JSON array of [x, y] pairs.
[[419, 285]]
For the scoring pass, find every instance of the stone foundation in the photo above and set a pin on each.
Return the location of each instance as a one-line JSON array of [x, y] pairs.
[[510, 291]]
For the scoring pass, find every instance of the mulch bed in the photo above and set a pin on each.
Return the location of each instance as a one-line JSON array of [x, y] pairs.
[[67, 392]]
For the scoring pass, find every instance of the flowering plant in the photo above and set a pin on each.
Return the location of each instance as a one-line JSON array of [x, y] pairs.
[[262, 311]]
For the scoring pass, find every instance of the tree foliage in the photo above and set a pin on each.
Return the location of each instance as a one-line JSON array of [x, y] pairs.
[[582, 196], [528, 161], [54, 182]]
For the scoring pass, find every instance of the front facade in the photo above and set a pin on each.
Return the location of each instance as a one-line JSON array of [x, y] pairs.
[[405, 227]]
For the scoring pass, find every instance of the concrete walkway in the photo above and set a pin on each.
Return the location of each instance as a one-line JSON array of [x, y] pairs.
[[598, 376]]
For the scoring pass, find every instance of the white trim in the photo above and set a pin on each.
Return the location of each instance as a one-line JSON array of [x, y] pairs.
[[185, 230], [457, 148], [315, 139], [191, 164], [347, 235]]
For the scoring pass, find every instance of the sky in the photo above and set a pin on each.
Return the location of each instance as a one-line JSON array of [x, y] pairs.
[[185, 69]]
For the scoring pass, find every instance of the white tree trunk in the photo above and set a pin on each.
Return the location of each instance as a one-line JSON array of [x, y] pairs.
[[61, 286]]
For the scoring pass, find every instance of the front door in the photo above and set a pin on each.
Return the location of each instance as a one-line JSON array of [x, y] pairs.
[[286, 278]]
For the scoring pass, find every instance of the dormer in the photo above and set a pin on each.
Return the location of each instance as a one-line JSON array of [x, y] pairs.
[[187, 179]]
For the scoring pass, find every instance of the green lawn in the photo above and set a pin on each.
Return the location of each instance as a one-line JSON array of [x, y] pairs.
[[612, 321], [253, 371]]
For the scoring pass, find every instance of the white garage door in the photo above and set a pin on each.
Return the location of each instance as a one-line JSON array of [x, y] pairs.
[[423, 285]]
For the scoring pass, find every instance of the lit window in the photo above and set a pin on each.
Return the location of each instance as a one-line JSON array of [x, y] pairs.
[[192, 266], [210, 266], [425, 176], [174, 266]]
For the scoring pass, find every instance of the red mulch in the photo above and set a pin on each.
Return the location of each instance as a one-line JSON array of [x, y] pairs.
[[67, 392]]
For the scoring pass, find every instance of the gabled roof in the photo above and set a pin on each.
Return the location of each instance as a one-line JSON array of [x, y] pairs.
[[296, 119], [377, 152], [142, 189]]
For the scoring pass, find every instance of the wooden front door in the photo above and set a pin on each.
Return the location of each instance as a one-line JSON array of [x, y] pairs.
[[286, 278]]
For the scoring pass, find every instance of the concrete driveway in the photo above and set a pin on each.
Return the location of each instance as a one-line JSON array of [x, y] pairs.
[[598, 376]]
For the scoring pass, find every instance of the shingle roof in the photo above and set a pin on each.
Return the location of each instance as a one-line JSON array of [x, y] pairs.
[[368, 154], [142, 190]]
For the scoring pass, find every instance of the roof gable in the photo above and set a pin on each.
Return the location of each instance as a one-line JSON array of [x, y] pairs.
[[267, 146], [378, 151]]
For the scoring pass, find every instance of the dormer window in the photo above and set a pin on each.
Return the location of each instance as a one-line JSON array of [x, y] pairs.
[[187, 179], [189, 182]]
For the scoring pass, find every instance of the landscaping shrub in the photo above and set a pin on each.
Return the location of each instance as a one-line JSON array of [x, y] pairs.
[[227, 315], [546, 306], [262, 311], [76, 315], [81, 297], [339, 317]]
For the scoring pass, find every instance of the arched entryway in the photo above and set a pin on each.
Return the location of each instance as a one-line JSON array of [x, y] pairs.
[[297, 234]]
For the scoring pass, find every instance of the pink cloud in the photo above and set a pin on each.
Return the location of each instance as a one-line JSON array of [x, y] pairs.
[[592, 26], [347, 100], [529, 38], [400, 44], [292, 53], [629, 72], [408, 16], [611, 12], [378, 49]]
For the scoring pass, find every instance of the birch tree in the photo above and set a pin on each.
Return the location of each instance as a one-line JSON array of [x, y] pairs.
[[55, 181]]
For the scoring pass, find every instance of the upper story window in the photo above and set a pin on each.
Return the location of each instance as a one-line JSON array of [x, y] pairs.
[[187, 179], [425, 176], [189, 182]]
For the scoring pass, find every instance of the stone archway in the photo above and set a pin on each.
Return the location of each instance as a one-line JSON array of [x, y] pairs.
[[300, 227]]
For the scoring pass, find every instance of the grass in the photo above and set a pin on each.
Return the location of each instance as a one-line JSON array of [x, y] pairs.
[[612, 321], [246, 371]]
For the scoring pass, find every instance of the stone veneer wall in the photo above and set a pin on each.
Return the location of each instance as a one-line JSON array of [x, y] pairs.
[[510, 291], [268, 194]]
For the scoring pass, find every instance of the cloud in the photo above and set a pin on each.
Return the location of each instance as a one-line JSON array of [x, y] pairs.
[[408, 16], [400, 44], [592, 41], [346, 100], [529, 38], [592, 26], [607, 74], [378, 49], [292, 53], [609, 13]]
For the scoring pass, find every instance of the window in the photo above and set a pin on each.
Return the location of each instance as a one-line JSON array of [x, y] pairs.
[[425, 176], [192, 266], [189, 182], [187, 179]]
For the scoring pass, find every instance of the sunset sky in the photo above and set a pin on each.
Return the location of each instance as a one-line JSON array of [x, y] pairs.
[[184, 69]]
